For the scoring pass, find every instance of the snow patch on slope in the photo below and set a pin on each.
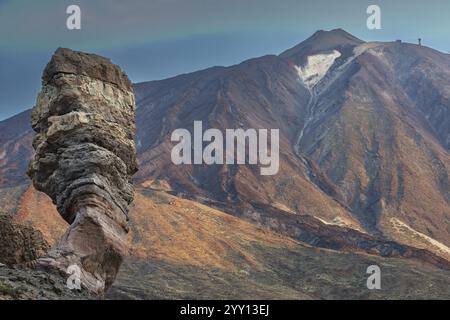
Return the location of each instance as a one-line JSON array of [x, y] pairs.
[[316, 67]]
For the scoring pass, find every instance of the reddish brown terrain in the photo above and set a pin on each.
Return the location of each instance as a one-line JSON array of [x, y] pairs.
[[366, 147], [363, 179]]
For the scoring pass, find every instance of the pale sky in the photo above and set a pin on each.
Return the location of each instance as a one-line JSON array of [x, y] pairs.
[[156, 39]]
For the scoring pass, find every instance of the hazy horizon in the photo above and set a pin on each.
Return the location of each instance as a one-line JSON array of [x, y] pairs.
[[153, 40]]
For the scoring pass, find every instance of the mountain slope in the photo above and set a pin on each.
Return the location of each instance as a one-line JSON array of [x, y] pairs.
[[260, 93], [378, 140], [364, 146], [15, 149], [368, 132]]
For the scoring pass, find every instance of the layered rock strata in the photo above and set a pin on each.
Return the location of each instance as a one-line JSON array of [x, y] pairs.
[[85, 157]]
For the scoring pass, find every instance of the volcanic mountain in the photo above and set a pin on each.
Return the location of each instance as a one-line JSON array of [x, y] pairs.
[[364, 162], [364, 135]]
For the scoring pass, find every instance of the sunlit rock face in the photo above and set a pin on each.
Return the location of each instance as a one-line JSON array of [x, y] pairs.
[[85, 157]]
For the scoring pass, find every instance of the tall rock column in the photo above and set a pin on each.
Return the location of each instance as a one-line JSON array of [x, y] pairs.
[[85, 158]]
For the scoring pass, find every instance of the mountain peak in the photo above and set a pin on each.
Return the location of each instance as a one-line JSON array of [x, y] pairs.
[[323, 40], [338, 32]]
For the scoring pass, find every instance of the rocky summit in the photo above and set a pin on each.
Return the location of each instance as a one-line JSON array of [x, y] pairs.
[[84, 121]]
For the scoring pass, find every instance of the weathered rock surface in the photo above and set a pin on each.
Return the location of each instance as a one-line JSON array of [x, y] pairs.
[[19, 244], [85, 156], [36, 285]]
